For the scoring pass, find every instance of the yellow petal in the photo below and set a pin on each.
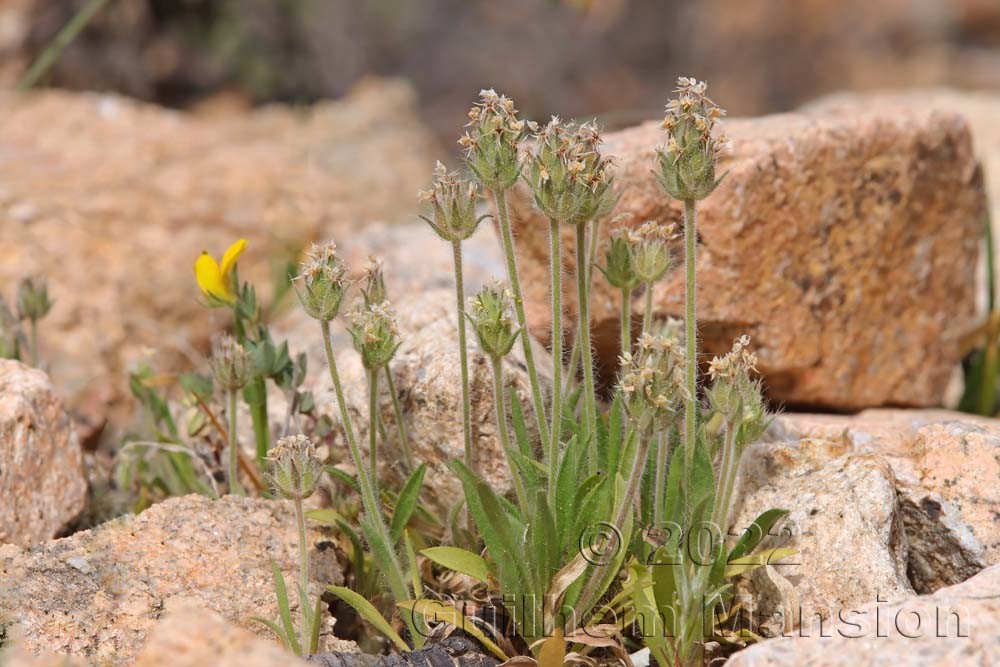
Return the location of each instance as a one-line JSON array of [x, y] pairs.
[[233, 253], [210, 279]]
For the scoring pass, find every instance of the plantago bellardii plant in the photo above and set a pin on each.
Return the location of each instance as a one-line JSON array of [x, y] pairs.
[[493, 153], [231, 368], [686, 170], [454, 218]]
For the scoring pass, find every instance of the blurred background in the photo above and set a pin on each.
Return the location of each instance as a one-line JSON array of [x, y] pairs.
[[616, 59]]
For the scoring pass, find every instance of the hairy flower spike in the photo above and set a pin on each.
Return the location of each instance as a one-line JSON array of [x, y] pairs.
[[650, 251], [231, 364], [322, 282], [568, 174], [687, 161], [734, 393], [652, 379], [491, 313], [453, 205], [295, 468], [492, 140], [33, 302], [376, 337], [619, 267], [374, 282]]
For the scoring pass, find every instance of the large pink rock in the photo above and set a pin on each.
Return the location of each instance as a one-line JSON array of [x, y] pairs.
[[844, 243]]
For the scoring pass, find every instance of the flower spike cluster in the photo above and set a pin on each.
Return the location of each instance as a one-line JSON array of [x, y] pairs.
[[231, 365], [453, 205], [687, 162], [375, 334], [491, 142], [652, 378], [296, 470], [735, 394], [491, 313], [570, 177], [322, 282]]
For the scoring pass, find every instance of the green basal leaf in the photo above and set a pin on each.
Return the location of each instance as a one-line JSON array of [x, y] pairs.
[[462, 561], [367, 611], [284, 612], [756, 532], [406, 503]]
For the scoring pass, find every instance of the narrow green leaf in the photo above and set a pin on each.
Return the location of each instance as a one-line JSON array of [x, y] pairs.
[[438, 611], [283, 609], [406, 503], [756, 532], [326, 516], [273, 627], [315, 626], [368, 612]]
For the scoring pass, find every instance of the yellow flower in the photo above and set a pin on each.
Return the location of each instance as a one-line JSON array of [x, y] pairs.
[[215, 279]]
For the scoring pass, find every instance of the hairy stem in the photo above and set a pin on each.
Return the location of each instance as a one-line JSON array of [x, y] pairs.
[[574, 356], [626, 321], [234, 448], [662, 457], [35, 355], [515, 285], [300, 520], [63, 39], [587, 357], [727, 480], [394, 573], [691, 337], [463, 353], [501, 412], [647, 313], [555, 258], [373, 415], [257, 402], [397, 410]]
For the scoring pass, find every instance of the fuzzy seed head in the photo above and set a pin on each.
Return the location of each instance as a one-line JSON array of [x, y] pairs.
[[295, 468], [651, 379], [735, 394], [491, 142], [569, 176], [231, 365], [619, 268], [33, 302], [452, 201], [322, 282], [686, 163], [375, 334], [649, 246], [491, 313], [373, 288]]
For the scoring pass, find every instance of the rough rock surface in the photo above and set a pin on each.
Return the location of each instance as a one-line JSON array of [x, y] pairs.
[[114, 200], [194, 637], [425, 369], [42, 483], [99, 593], [843, 522], [947, 471], [844, 243], [981, 109], [958, 625]]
